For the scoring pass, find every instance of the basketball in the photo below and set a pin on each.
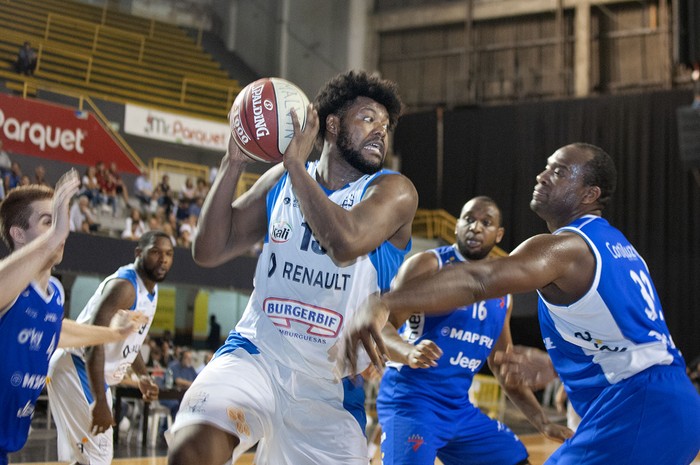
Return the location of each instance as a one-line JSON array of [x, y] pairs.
[[260, 119]]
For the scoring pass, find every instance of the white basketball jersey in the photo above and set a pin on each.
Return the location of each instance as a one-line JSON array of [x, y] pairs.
[[302, 298], [120, 355]]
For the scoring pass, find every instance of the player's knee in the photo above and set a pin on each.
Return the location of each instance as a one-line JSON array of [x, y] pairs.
[[201, 444]]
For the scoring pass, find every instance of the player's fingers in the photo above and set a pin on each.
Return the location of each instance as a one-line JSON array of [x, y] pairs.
[[371, 349], [295, 120], [381, 347], [311, 119]]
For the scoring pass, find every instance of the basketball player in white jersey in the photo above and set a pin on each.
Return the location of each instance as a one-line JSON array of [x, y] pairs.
[[34, 223], [79, 379], [334, 230], [600, 318]]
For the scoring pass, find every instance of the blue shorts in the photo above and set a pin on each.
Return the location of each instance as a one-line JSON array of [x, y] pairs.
[[415, 433], [650, 419]]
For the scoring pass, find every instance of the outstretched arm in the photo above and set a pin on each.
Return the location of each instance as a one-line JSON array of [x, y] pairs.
[[22, 266], [122, 324], [425, 353], [538, 262], [521, 395]]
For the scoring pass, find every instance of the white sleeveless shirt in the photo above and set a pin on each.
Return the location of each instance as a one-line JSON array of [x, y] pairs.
[[120, 355], [302, 298]]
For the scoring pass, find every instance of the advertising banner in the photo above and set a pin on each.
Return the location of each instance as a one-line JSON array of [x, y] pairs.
[[177, 129], [56, 132]]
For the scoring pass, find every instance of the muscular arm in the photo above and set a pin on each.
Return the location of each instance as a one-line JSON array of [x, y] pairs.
[[560, 266], [225, 229], [415, 356], [522, 397], [555, 262], [385, 213], [23, 265], [78, 335], [118, 293]]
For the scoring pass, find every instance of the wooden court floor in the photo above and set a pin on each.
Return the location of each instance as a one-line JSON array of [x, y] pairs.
[[538, 446]]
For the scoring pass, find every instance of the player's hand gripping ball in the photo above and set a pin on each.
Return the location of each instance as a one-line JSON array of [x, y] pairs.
[[260, 119]]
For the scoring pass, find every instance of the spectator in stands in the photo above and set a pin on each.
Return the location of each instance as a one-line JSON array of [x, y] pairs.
[[167, 228], [166, 347], [26, 59], [183, 376], [214, 338], [187, 231], [183, 371], [202, 189], [165, 195], [189, 191], [14, 177], [81, 217], [108, 192], [121, 189], [182, 210], [196, 206], [25, 180], [90, 186], [5, 162], [40, 176], [134, 226], [143, 188]]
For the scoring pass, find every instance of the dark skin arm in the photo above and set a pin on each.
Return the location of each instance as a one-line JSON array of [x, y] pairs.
[[426, 352], [424, 265], [385, 213], [117, 294], [522, 396], [560, 266], [244, 221]]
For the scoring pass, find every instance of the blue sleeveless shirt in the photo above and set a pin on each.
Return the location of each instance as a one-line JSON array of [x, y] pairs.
[[616, 329], [30, 330], [466, 336]]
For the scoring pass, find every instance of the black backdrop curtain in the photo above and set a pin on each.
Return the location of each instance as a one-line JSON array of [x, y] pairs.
[[498, 151]]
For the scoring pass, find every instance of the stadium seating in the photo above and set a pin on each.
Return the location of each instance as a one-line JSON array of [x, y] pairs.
[[112, 55]]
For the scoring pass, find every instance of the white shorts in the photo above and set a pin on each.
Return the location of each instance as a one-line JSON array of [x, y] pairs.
[[298, 420], [71, 406]]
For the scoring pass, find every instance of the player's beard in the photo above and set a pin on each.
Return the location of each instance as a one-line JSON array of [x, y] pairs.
[[353, 156], [150, 273]]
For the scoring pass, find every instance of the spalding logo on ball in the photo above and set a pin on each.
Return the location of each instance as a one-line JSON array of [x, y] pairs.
[[260, 120]]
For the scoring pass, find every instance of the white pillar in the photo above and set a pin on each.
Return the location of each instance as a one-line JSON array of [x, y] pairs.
[[582, 49], [358, 13], [284, 39]]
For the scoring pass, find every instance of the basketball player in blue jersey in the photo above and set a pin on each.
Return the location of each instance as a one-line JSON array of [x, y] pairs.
[[34, 225], [600, 318], [423, 403], [334, 231], [79, 379]]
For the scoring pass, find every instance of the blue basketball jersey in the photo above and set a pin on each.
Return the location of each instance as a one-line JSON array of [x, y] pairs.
[[30, 330], [466, 335], [614, 331]]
